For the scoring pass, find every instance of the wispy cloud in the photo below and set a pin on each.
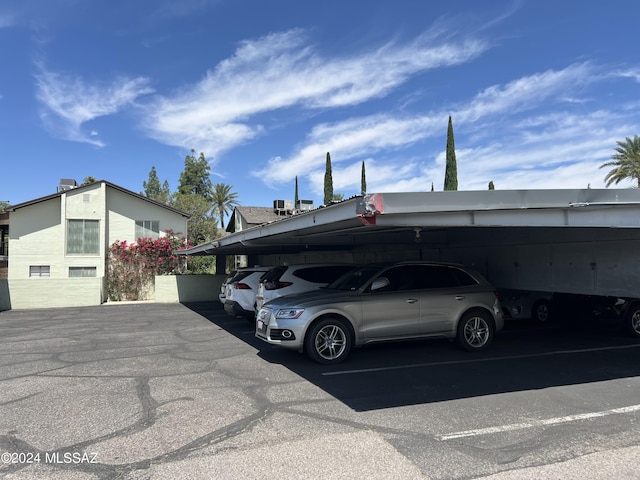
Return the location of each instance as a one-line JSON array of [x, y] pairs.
[[505, 141], [68, 102], [7, 20], [283, 70]]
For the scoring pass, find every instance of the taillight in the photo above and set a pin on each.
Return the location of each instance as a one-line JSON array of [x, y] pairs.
[[241, 286], [276, 285]]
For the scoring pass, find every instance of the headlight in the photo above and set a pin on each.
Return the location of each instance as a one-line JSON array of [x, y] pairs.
[[289, 313], [264, 314]]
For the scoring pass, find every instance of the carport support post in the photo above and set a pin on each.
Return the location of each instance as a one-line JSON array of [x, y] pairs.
[[252, 260], [221, 264]]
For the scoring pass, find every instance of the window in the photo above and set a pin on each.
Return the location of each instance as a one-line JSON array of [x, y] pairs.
[[147, 229], [36, 271], [82, 272], [83, 236], [323, 274]]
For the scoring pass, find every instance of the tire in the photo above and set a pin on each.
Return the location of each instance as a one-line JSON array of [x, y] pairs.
[[328, 341], [475, 331], [541, 311], [633, 320]]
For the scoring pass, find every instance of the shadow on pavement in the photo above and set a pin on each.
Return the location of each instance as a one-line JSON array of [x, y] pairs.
[[524, 356]]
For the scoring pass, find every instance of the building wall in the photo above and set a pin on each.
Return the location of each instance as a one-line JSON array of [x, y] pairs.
[[124, 210], [36, 238], [86, 204]]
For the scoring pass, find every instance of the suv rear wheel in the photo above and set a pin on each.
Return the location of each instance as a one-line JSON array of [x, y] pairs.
[[328, 341]]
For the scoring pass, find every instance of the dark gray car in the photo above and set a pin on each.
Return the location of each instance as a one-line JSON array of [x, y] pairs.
[[380, 303]]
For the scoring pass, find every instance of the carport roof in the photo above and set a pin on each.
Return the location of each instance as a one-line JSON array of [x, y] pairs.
[[400, 217]]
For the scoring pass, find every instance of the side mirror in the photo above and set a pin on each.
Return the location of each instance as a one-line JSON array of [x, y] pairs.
[[379, 283]]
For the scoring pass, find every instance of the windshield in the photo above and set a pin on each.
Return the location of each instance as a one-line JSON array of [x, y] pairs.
[[355, 279]]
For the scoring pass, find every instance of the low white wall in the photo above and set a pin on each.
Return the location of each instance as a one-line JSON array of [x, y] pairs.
[[187, 288], [19, 294], [56, 292]]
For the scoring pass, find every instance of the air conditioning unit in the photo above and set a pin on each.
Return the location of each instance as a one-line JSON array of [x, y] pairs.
[[282, 207], [67, 184], [304, 205]]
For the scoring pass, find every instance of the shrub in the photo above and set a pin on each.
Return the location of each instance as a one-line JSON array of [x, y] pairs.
[[131, 267]]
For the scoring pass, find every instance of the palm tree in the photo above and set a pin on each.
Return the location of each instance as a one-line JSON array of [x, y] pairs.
[[626, 162], [224, 200]]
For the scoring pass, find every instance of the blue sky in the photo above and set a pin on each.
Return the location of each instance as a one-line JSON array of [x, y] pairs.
[[539, 92]]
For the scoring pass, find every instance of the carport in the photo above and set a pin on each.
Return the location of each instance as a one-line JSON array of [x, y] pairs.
[[574, 241]]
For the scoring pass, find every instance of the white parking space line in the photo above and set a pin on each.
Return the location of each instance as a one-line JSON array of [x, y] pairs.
[[480, 360], [537, 423]]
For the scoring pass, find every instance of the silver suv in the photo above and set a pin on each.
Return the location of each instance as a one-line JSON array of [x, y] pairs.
[[379, 303]]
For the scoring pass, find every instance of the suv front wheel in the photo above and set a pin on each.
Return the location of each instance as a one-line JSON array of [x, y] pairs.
[[328, 341], [475, 331]]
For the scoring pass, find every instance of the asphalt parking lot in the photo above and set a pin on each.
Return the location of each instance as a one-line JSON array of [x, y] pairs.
[[171, 391]]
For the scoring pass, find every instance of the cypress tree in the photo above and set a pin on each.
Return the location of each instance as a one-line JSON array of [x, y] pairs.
[[296, 200], [363, 181], [328, 182], [451, 169]]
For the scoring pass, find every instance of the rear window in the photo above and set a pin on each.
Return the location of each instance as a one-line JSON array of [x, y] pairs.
[[322, 274], [273, 275], [242, 275]]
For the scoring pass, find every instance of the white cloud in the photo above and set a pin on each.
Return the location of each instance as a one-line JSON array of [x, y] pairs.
[[7, 20], [504, 142], [69, 102], [283, 70]]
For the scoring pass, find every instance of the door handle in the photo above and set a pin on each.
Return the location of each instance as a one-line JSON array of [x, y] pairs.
[[412, 300], [459, 297]]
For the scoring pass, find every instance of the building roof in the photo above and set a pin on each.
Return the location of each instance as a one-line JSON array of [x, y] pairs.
[[254, 216], [35, 201], [392, 218]]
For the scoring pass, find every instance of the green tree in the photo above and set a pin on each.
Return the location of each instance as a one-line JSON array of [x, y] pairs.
[[491, 185], [328, 182], [625, 162], [363, 180], [224, 200], [88, 181], [194, 179], [337, 197], [202, 222], [4, 205], [296, 199], [451, 169], [153, 189]]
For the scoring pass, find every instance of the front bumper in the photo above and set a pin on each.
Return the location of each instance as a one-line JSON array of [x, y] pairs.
[[285, 333]]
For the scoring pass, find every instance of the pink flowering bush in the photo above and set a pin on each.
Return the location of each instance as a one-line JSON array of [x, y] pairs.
[[131, 267]]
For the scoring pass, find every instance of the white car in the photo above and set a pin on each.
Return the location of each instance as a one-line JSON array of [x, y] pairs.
[[240, 296], [223, 288], [289, 279]]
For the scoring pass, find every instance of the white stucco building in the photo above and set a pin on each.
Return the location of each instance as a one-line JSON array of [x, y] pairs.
[[58, 244]]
